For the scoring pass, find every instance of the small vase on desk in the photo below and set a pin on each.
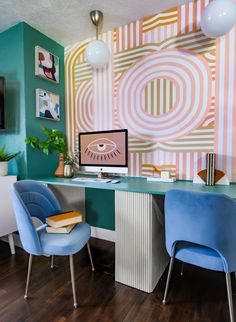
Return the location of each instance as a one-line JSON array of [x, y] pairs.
[[68, 171], [60, 169]]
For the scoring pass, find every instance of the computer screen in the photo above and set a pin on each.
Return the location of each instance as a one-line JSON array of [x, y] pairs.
[[104, 151]]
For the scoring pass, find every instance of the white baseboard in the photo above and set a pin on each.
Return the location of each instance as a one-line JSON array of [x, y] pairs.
[[104, 234]]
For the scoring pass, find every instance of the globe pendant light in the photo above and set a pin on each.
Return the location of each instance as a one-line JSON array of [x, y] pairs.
[[218, 18], [97, 52]]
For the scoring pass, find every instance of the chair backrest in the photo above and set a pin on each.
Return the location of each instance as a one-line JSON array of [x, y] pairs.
[[207, 219], [32, 199]]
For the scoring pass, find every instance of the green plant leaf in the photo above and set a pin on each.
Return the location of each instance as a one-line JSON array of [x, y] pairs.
[[45, 150], [4, 156], [54, 141]]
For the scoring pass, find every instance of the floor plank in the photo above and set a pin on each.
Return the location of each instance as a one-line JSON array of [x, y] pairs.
[[198, 296]]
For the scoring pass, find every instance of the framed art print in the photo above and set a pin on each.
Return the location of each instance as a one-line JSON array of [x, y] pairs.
[[46, 65], [47, 105]]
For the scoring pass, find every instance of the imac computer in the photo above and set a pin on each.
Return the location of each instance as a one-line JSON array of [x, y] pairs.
[[104, 152]]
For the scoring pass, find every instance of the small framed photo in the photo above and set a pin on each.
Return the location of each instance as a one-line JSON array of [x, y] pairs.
[[47, 105], [46, 65]]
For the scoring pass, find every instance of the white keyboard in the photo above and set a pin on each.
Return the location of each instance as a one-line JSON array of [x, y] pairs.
[[92, 180]]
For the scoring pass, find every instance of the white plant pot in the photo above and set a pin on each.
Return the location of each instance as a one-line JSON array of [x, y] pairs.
[[3, 168]]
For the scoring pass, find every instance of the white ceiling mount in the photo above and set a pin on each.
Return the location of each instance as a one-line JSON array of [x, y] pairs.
[[97, 18]]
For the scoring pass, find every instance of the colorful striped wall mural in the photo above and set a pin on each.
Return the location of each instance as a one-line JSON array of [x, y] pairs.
[[171, 86]]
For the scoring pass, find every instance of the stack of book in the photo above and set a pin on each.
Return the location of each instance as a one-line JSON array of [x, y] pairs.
[[63, 223]]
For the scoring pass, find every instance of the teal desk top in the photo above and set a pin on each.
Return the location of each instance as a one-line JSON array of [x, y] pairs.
[[135, 184]]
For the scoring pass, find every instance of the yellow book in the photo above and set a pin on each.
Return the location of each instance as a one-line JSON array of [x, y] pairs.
[[64, 219], [60, 230]]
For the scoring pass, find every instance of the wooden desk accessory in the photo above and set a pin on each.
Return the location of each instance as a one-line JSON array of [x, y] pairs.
[[162, 173], [211, 176]]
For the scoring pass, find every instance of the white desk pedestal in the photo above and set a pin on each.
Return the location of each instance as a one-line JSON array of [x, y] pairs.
[[140, 252]]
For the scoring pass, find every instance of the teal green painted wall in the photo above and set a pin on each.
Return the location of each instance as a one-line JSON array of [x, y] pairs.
[[12, 67], [100, 208], [17, 64], [38, 164]]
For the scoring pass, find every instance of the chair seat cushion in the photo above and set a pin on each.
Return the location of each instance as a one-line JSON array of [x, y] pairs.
[[65, 244], [199, 255]]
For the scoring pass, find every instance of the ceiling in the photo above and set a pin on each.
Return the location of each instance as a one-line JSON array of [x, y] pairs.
[[67, 21]]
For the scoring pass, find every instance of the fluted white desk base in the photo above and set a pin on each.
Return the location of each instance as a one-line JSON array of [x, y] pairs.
[[140, 252]]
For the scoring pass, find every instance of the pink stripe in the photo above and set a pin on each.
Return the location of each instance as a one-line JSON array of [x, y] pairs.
[[226, 101], [234, 118], [191, 166], [217, 98]]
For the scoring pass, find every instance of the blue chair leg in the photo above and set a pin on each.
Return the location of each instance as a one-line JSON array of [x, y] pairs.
[[182, 269], [168, 279], [52, 262], [90, 256], [28, 276], [230, 298], [72, 273]]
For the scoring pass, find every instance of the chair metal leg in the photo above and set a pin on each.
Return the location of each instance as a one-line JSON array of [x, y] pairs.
[[168, 279], [28, 276], [230, 298], [72, 273], [52, 262], [90, 256], [182, 269]]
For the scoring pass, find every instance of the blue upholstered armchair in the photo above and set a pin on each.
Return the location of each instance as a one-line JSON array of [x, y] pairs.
[[33, 199], [201, 230]]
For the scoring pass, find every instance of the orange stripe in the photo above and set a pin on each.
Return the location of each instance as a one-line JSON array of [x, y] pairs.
[[202, 5], [128, 37], [187, 18], [123, 37], [117, 40], [194, 15], [141, 32], [134, 34], [179, 20]]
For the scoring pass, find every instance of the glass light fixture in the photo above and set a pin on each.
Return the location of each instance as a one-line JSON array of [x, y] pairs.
[[97, 52], [218, 18]]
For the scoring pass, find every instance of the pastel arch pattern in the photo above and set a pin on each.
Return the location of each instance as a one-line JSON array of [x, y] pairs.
[[84, 103], [191, 76], [170, 118]]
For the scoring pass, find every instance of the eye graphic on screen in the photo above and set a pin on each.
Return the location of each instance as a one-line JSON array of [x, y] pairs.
[[102, 149]]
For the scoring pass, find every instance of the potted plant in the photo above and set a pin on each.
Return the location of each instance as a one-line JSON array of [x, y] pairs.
[[54, 142], [4, 158]]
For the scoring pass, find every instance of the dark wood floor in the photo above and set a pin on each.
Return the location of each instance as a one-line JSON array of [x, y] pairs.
[[198, 296]]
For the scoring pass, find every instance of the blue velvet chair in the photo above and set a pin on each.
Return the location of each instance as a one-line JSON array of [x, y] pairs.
[[201, 230], [33, 199]]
